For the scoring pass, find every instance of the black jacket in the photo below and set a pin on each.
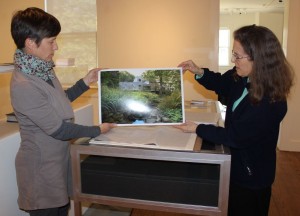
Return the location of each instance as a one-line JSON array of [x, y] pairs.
[[251, 131]]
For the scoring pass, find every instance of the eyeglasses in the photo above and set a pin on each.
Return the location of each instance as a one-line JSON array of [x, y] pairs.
[[235, 57]]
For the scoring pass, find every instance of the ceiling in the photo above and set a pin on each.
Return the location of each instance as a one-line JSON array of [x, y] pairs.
[[250, 6]]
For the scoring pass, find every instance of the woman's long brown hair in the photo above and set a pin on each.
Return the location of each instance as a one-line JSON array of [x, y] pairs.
[[272, 75]]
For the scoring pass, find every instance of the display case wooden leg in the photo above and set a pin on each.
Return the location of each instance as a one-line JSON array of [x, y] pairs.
[[77, 208]]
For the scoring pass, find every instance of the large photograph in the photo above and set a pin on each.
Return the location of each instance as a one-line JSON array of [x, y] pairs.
[[144, 96]]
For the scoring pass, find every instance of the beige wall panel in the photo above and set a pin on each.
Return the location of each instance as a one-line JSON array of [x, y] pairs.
[[4, 94], [290, 136], [159, 33], [7, 8], [273, 21], [7, 46]]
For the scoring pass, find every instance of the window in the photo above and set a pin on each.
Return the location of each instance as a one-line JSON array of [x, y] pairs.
[[77, 39], [224, 47]]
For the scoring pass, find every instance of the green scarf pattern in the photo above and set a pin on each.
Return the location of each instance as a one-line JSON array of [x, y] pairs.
[[35, 66]]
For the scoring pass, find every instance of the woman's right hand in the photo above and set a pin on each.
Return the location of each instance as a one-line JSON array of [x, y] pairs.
[[105, 127], [191, 66]]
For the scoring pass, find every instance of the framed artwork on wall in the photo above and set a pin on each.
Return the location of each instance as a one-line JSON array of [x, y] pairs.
[[141, 96]]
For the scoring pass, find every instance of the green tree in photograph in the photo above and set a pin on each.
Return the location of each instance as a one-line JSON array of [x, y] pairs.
[[171, 106], [126, 76], [110, 79], [166, 80]]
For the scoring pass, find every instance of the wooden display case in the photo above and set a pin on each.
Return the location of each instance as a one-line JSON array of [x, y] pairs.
[[193, 182]]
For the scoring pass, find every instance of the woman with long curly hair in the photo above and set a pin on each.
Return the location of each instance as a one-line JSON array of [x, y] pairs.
[[255, 92]]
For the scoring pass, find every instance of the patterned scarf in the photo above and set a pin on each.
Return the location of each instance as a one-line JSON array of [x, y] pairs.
[[32, 65]]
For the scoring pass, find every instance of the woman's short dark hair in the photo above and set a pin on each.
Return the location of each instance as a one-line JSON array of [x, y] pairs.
[[33, 23], [272, 75]]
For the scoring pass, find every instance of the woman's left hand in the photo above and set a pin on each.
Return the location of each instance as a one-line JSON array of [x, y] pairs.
[[191, 66], [187, 127], [92, 76]]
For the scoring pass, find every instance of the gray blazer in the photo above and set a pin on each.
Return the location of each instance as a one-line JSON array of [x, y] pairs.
[[42, 162]]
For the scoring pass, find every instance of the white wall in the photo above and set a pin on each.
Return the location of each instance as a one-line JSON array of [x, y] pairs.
[[273, 21]]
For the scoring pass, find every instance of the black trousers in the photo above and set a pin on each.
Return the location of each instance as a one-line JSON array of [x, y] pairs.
[[248, 202], [59, 211]]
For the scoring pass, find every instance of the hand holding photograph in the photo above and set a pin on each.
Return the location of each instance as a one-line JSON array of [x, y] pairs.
[[143, 96]]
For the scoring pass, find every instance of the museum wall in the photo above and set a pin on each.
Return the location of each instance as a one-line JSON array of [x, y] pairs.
[[7, 46], [155, 33]]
